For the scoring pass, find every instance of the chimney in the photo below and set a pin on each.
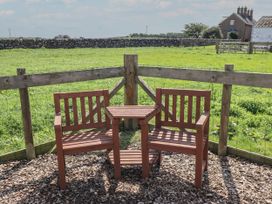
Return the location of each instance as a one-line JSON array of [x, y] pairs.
[[238, 10], [251, 14], [241, 11], [245, 12]]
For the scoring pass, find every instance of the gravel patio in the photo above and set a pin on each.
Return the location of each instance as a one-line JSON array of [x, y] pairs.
[[90, 178]]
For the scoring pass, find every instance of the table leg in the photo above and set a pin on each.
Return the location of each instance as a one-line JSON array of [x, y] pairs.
[[116, 148], [145, 153]]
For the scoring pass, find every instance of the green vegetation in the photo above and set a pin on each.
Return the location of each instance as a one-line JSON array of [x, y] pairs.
[[194, 30], [251, 109]]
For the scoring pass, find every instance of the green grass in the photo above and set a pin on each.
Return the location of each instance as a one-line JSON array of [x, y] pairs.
[[251, 108]]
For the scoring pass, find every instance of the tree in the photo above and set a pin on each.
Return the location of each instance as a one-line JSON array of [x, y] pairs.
[[194, 30], [212, 32]]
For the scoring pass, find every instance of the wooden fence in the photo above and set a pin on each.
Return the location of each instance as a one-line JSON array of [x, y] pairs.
[[131, 73], [244, 47]]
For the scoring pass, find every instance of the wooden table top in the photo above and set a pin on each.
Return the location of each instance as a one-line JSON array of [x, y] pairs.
[[130, 111]]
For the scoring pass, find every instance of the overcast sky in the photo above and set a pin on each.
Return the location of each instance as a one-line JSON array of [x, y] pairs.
[[106, 18]]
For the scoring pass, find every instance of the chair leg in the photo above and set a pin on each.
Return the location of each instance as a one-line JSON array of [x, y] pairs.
[[61, 166], [145, 150], [205, 156], [198, 170], [159, 158]]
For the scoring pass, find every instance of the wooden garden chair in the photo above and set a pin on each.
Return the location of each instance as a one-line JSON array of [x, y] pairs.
[[189, 115], [75, 131]]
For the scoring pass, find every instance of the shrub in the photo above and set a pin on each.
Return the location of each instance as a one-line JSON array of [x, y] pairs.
[[253, 106], [237, 111], [233, 35]]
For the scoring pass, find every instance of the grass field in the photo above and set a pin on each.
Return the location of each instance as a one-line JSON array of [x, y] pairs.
[[251, 109]]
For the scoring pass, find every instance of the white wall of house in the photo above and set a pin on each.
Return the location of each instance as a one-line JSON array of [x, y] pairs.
[[261, 35]]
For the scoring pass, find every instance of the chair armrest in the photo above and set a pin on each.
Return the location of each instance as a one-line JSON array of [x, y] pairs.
[[58, 131], [203, 119], [151, 115], [57, 122]]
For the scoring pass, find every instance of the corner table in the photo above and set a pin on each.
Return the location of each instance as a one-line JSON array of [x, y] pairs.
[[131, 157]]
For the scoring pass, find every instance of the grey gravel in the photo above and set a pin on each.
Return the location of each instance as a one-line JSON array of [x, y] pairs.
[[90, 180]]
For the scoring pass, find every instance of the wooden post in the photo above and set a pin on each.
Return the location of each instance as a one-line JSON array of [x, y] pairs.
[[217, 47], [225, 109], [26, 117], [250, 48], [131, 87]]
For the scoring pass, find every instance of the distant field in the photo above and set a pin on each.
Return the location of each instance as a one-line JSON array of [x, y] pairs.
[[251, 109]]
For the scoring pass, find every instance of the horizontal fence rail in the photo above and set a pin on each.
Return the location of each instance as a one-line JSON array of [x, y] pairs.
[[221, 77], [23, 81]]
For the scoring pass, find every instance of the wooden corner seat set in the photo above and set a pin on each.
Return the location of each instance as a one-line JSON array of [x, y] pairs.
[[85, 122]]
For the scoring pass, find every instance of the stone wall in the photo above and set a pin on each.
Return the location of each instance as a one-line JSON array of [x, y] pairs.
[[102, 43]]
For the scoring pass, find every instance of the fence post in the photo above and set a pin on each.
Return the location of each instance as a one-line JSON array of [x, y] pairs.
[[131, 88], [250, 48], [225, 109], [217, 47], [26, 117]]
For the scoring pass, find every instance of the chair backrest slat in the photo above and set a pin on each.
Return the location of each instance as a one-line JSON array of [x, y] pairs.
[[83, 110], [182, 108], [67, 112], [174, 108], [166, 115], [189, 103], [190, 109], [159, 103], [83, 117], [198, 110], [75, 113], [91, 113], [98, 109]]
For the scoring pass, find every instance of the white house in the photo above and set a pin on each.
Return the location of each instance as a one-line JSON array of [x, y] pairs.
[[262, 31]]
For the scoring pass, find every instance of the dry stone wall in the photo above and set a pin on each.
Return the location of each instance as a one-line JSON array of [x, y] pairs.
[[102, 43]]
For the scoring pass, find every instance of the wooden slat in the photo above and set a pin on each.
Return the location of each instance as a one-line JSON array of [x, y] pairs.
[[129, 111], [166, 107], [67, 111], [159, 104], [83, 111], [185, 92], [235, 78], [84, 126], [14, 82], [98, 109], [190, 108], [181, 119], [75, 113], [198, 103], [174, 108], [91, 113], [133, 157], [80, 94]]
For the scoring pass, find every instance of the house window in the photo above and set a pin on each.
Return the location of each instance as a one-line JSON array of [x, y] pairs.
[[232, 22]]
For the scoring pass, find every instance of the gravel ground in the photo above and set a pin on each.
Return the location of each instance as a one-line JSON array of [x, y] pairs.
[[90, 178]]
